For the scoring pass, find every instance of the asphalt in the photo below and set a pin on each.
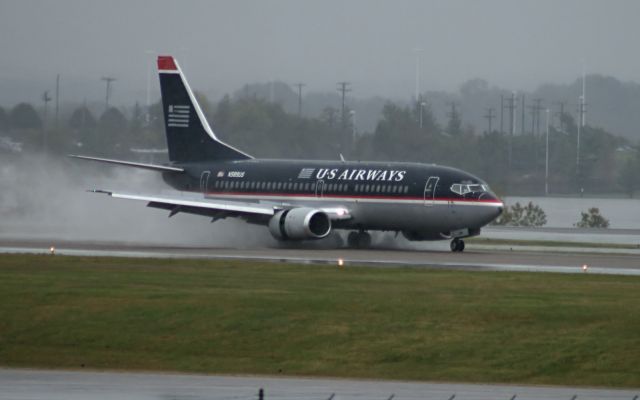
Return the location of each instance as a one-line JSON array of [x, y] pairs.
[[475, 257], [16, 384]]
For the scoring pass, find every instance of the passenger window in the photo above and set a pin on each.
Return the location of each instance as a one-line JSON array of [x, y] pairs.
[[406, 189]]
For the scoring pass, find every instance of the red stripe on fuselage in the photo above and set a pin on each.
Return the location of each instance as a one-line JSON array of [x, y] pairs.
[[345, 196]]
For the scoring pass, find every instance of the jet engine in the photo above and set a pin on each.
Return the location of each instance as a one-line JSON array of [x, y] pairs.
[[300, 224]]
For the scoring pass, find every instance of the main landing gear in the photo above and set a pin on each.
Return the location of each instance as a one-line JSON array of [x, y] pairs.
[[457, 245], [359, 240]]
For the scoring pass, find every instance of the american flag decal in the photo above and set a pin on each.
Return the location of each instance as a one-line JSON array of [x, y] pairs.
[[178, 116], [306, 173]]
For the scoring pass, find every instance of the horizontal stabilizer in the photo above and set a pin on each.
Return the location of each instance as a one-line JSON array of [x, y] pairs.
[[153, 167]]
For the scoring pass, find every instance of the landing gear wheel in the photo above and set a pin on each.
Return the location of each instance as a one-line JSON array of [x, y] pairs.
[[359, 240], [457, 245], [352, 239]]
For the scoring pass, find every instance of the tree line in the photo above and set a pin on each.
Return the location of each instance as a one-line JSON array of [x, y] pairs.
[[511, 164]]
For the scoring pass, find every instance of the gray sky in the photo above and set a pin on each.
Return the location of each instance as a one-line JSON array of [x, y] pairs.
[[224, 44]]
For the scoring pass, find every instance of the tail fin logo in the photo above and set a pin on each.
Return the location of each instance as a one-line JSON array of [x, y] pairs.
[[178, 116]]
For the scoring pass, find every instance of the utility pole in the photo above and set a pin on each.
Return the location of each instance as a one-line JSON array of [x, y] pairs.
[[422, 106], [418, 52], [581, 112], [46, 99], [57, 98], [522, 108], [299, 85], [546, 161], [489, 116], [535, 116], [512, 120], [538, 109], [343, 88], [561, 115], [501, 113], [108, 80]]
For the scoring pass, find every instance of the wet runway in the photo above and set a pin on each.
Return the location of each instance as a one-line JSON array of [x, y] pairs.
[[475, 257], [68, 385]]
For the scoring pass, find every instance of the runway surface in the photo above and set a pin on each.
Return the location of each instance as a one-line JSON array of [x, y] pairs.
[[68, 385], [475, 257]]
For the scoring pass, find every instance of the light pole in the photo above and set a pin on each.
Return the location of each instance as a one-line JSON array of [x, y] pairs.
[[546, 161], [417, 51], [581, 100], [149, 54], [422, 105]]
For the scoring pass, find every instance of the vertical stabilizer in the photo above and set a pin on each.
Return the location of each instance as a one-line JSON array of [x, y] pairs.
[[189, 136]]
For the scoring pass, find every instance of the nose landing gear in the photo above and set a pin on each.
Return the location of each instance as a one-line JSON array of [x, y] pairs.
[[457, 245], [359, 240]]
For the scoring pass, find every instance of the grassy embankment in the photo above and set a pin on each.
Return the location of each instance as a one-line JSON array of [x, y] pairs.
[[241, 317]]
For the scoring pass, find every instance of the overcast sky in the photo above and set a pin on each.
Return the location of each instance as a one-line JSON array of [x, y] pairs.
[[224, 44]]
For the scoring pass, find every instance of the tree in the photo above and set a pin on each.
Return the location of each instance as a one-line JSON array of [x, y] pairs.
[[82, 119], [628, 178], [4, 120], [110, 137], [24, 116], [592, 219], [517, 215]]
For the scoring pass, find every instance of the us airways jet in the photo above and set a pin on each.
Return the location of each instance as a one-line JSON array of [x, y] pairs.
[[305, 200]]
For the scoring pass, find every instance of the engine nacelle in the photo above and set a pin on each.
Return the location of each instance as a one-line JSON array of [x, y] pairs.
[[300, 224]]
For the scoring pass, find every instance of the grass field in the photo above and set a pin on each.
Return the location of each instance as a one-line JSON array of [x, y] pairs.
[[241, 317]]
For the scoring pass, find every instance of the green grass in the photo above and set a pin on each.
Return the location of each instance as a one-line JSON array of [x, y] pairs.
[[241, 317]]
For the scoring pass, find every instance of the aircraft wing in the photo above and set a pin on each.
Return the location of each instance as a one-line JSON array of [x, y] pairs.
[[215, 208]]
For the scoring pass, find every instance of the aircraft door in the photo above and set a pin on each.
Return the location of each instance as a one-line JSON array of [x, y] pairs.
[[204, 181], [320, 188], [430, 190]]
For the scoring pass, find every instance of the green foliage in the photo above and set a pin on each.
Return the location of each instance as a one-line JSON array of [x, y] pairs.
[[592, 219], [629, 176], [517, 215], [4, 120], [24, 116]]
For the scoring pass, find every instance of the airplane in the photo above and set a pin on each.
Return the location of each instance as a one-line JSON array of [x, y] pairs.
[[298, 200]]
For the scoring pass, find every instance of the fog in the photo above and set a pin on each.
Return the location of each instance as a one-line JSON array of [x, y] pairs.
[[46, 198], [225, 44]]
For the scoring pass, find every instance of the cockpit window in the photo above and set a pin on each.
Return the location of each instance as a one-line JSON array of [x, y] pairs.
[[464, 188]]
